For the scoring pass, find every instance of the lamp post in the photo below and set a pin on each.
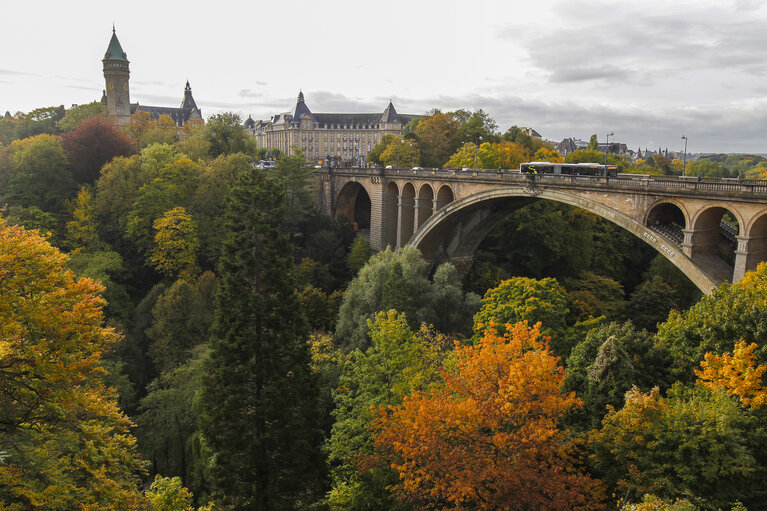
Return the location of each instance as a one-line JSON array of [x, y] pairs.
[[607, 144], [479, 142], [402, 144], [684, 161]]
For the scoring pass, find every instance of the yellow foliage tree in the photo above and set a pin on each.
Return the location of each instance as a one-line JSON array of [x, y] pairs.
[[65, 444], [176, 244], [737, 374]]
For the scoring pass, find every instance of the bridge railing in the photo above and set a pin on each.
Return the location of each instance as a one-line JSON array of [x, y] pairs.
[[623, 181]]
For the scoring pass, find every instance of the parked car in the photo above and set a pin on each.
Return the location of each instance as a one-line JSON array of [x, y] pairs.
[[417, 168]]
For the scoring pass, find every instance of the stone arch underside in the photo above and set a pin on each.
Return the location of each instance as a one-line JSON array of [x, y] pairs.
[[354, 203], [456, 230]]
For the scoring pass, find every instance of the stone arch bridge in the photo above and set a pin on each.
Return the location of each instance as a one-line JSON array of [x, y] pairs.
[[713, 230]]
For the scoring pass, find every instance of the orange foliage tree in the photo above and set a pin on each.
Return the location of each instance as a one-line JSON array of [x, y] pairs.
[[64, 444], [490, 437]]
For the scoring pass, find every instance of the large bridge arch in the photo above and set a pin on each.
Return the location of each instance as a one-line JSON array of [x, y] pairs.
[[456, 230]]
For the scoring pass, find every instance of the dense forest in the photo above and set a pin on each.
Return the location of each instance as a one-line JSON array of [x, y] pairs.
[[181, 330]]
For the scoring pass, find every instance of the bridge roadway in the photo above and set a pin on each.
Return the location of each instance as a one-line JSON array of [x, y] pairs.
[[722, 223]]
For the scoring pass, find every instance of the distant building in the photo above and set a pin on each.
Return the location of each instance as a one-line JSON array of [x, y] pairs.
[[342, 138], [570, 145], [116, 96]]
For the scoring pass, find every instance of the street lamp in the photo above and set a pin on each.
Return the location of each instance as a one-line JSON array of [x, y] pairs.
[[607, 144], [476, 151], [684, 161], [399, 151]]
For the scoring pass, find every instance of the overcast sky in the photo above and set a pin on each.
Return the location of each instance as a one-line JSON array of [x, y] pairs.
[[648, 70]]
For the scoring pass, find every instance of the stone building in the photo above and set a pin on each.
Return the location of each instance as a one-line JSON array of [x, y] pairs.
[[344, 139], [116, 95]]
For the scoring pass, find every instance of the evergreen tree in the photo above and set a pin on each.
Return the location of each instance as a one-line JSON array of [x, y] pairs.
[[260, 412]]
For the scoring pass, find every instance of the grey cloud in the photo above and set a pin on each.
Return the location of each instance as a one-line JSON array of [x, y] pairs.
[[630, 42], [248, 93]]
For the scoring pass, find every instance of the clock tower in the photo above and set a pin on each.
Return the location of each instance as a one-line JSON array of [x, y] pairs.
[[116, 76]]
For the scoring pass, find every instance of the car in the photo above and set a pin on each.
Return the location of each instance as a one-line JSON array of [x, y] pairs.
[[465, 169], [389, 167], [417, 168]]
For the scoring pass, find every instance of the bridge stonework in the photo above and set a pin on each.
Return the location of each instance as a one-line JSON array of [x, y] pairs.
[[712, 230]]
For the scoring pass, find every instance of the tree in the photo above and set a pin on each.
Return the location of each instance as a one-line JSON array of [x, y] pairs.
[[65, 443], [82, 229], [593, 143], [226, 134], [737, 374], [489, 438], [181, 318], [718, 321], [93, 143], [391, 281], [401, 153], [38, 175], [169, 494], [259, 396], [81, 113], [173, 187], [374, 155], [523, 299], [397, 362], [115, 192], [175, 244], [594, 295], [611, 360], [358, 254], [297, 180], [437, 138], [475, 126], [695, 444]]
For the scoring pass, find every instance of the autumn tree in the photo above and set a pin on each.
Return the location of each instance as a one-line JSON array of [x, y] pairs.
[[490, 437], [738, 374], [93, 143], [259, 397], [437, 137], [695, 443], [401, 153], [175, 244], [65, 443], [717, 322], [81, 230]]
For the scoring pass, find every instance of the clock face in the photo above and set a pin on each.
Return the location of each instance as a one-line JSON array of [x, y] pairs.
[[110, 86]]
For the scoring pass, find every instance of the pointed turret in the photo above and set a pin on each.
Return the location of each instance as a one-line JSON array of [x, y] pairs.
[[115, 51], [301, 109], [188, 101], [390, 114]]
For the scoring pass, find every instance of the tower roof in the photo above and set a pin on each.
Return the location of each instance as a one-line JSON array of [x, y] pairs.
[[300, 108], [115, 51], [188, 99], [390, 114]]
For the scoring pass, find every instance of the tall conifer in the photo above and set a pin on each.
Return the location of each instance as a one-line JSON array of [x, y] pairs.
[[260, 414]]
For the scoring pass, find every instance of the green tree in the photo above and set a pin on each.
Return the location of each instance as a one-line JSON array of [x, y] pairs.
[[611, 360], [65, 443], [80, 113], [358, 254], [374, 155], [394, 281], [594, 295], [297, 181], [593, 143], [718, 321], [175, 244], [181, 320], [226, 135], [396, 363], [524, 299], [38, 175], [651, 302], [115, 193], [694, 444], [259, 396]]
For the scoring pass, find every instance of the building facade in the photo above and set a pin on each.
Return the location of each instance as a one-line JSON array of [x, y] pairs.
[[116, 95], [343, 139]]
